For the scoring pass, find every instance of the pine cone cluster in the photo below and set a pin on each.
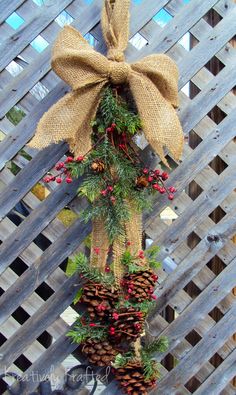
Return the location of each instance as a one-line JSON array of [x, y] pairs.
[[126, 324], [131, 379], [99, 352], [99, 300], [98, 166], [140, 285]]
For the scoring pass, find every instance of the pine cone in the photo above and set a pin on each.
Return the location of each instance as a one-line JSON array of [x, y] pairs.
[[126, 325], [98, 166], [142, 182], [140, 285], [99, 352], [132, 380], [98, 299]]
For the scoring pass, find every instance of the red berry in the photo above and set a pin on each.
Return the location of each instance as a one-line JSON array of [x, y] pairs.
[[107, 269], [69, 180], [162, 190], [127, 297], [130, 291], [92, 324], [171, 196], [157, 172], [154, 297], [122, 146], [128, 243], [164, 175], [150, 178], [60, 165], [115, 316], [59, 180], [47, 179], [109, 130], [69, 159], [96, 250], [156, 186], [172, 189], [113, 125], [110, 188], [112, 199], [80, 158], [104, 192], [145, 171]]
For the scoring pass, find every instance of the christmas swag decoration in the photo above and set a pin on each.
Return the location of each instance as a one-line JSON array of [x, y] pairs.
[[112, 101]]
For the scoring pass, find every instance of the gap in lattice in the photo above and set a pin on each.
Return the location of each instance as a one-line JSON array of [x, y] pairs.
[[217, 214], [64, 19], [214, 65], [15, 21], [218, 165], [44, 291]]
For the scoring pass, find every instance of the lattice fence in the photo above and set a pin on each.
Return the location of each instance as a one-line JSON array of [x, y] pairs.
[[199, 318]]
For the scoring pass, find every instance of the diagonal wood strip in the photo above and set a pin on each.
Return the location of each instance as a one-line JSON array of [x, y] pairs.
[[38, 322], [199, 308], [216, 383], [200, 354]]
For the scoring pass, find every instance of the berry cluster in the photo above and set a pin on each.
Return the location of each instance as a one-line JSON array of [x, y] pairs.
[[63, 171], [155, 179]]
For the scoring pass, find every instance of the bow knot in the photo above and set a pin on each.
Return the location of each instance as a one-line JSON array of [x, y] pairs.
[[115, 54], [119, 72]]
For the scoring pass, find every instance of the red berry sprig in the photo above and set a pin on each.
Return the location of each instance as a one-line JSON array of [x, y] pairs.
[[155, 180]]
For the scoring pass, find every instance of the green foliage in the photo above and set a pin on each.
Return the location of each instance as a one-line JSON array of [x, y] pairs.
[[151, 367], [114, 109], [145, 307], [160, 345], [81, 332], [78, 296], [132, 261], [91, 187], [81, 265], [15, 115], [152, 254], [122, 359]]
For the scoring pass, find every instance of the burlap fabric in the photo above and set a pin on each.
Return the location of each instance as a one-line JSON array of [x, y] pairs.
[[153, 82]]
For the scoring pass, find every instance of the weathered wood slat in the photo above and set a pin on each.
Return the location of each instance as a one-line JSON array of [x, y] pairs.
[[195, 261], [201, 353], [176, 28], [13, 45], [200, 307], [36, 70], [204, 204], [25, 129], [220, 378], [42, 268], [36, 324], [27, 178], [7, 8], [35, 222]]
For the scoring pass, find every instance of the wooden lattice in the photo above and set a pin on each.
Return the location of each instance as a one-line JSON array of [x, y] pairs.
[[197, 297]]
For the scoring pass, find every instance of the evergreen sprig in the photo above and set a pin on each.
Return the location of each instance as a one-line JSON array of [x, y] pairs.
[[115, 109], [81, 265], [160, 345], [123, 359], [151, 367], [81, 332]]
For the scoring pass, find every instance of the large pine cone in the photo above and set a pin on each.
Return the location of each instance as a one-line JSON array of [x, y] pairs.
[[126, 325], [131, 379], [140, 285], [99, 352], [98, 299]]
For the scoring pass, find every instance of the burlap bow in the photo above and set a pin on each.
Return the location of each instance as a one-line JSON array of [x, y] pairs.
[[153, 82]]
